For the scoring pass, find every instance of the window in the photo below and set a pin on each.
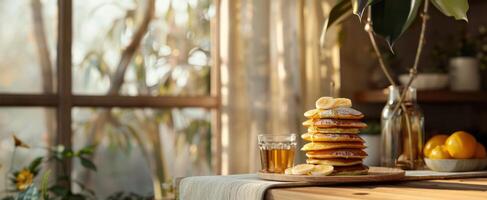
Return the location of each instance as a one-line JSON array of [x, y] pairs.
[[135, 77]]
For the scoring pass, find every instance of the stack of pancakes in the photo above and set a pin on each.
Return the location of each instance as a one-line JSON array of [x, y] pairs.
[[333, 138]]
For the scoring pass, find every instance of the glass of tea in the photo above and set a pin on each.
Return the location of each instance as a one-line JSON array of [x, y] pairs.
[[276, 152]]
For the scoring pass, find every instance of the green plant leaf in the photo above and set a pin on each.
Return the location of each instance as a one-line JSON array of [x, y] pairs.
[[34, 165], [59, 190], [339, 12], [68, 153], [87, 163], [88, 150], [390, 19], [453, 8], [45, 185]]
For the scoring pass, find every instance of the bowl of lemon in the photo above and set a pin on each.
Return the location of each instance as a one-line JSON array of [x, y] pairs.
[[459, 152]]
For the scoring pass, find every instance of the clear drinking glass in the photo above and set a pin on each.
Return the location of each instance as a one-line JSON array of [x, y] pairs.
[[276, 152], [401, 147]]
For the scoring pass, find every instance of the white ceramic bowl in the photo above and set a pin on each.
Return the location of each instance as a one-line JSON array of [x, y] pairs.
[[426, 81], [456, 165]]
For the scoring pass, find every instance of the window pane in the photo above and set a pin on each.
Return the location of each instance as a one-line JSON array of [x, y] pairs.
[[131, 140], [28, 46], [172, 59], [34, 126]]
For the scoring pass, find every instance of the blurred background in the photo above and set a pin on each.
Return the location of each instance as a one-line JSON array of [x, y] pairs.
[[176, 88]]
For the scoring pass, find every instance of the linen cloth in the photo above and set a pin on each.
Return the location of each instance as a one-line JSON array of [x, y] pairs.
[[231, 187]]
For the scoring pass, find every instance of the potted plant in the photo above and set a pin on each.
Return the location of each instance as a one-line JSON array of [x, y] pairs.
[[428, 80], [390, 19], [434, 76], [464, 66], [467, 60]]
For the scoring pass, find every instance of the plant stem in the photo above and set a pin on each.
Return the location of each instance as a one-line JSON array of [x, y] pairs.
[[11, 167], [369, 30], [410, 134], [414, 70]]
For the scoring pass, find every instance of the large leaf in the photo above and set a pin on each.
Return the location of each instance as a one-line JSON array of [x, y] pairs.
[[453, 8], [339, 12], [359, 6], [391, 19]]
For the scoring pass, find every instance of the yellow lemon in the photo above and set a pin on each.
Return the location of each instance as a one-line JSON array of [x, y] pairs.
[[433, 142], [322, 170], [439, 152], [461, 145], [480, 151]]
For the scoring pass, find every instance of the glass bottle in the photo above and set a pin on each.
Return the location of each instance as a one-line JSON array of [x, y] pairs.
[[401, 147]]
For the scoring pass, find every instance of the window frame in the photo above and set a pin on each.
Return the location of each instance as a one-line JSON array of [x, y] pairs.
[[63, 101]]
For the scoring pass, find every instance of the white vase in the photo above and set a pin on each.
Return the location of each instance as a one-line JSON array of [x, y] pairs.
[[426, 81], [373, 143], [464, 74]]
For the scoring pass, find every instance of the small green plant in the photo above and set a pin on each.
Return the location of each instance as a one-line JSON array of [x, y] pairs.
[[473, 46], [373, 128], [21, 184], [461, 45]]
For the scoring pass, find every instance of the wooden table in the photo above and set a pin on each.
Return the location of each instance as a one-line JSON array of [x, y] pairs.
[[458, 189]]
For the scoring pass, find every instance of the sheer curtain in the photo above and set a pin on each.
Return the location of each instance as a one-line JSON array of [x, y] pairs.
[[272, 70]]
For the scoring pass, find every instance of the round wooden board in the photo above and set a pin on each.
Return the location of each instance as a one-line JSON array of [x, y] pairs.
[[376, 174]]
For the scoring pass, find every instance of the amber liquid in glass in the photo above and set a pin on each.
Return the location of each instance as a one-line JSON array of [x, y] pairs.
[[276, 160]]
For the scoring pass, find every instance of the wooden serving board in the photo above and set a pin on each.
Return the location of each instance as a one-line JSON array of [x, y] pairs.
[[416, 175], [376, 174]]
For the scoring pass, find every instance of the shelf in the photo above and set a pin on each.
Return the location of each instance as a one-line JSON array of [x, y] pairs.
[[433, 96]]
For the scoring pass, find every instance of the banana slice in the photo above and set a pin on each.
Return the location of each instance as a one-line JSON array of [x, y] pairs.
[[330, 102], [302, 169], [311, 113], [343, 103], [322, 170], [325, 103], [308, 123]]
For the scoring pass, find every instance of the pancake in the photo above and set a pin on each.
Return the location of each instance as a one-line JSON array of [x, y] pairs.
[[335, 161], [331, 137], [350, 170], [337, 153], [335, 113], [334, 123], [314, 146], [314, 129]]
